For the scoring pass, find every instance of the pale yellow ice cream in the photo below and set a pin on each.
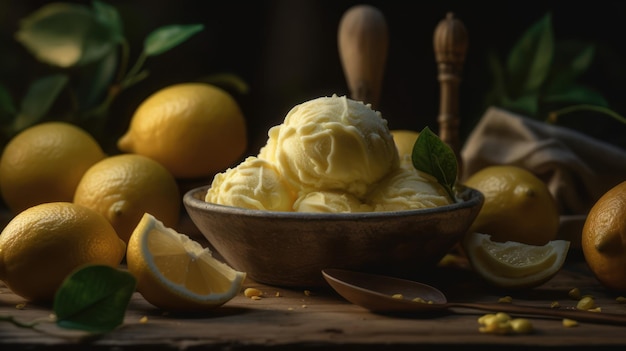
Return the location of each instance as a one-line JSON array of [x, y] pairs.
[[332, 143], [407, 189], [255, 184], [330, 202], [331, 154]]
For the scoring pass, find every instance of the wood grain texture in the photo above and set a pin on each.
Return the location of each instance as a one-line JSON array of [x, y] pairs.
[[321, 319]]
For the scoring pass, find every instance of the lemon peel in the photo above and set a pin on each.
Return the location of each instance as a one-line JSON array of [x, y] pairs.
[[44, 163], [43, 244], [603, 238], [193, 129], [123, 187], [513, 195]]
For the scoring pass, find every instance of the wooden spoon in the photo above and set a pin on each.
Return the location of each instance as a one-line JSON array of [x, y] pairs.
[[363, 41], [374, 292]]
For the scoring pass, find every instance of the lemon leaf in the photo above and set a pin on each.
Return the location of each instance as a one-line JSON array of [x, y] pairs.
[[108, 15], [168, 37], [433, 156], [38, 100], [530, 58], [6, 102], [66, 35], [94, 298]]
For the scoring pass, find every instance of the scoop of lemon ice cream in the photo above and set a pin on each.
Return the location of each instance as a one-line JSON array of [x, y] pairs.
[[330, 202], [407, 189], [332, 143], [330, 154], [254, 184]]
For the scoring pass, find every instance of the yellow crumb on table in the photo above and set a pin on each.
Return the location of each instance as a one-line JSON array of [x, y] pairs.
[[252, 292], [569, 323]]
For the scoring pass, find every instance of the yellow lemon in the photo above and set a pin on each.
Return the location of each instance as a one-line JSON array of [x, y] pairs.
[[40, 246], [514, 265], [176, 273], [604, 238], [123, 187], [405, 139], [44, 163], [195, 130], [518, 205]]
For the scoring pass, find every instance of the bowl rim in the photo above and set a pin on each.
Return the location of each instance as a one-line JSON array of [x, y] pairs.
[[470, 198]]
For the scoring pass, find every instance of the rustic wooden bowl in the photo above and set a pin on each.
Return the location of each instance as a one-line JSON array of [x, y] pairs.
[[290, 249]]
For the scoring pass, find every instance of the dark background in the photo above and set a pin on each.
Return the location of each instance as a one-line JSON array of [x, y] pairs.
[[286, 51]]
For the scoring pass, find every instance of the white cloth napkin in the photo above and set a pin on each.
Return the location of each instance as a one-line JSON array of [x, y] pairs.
[[577, 168]]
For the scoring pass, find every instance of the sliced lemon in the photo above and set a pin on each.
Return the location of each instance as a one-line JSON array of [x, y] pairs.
[[175, 273], [514, 265]]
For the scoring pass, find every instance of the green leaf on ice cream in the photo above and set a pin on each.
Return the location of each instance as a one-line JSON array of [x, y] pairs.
[[431, 155]]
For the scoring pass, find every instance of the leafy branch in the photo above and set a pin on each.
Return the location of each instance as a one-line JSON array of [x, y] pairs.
[[540, 79], [542, 72], [90, 55]]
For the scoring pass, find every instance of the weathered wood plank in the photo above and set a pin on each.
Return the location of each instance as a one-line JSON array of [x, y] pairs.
[[323, 320]]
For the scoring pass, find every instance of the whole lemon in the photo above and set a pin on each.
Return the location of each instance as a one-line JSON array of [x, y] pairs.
[[124, 187], [44, 163], [43, 244], [518, 206], [604, 238], [193, 129], [405, 140]]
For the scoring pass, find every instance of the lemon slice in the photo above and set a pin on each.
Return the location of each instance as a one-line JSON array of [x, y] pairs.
[[176, 273], [513, 264]]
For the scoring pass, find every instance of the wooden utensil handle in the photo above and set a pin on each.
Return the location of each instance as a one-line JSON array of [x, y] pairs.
[[363, 42], [578, 315], [450, 42]]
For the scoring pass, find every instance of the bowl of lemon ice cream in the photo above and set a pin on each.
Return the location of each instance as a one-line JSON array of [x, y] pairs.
[[328, 191]]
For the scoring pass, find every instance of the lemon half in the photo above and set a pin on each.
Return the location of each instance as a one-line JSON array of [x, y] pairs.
[[514, 265], [175, 273]]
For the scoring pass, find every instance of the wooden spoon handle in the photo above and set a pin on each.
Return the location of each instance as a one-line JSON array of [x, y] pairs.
[[363, 42], [450, 43], [578, 315]]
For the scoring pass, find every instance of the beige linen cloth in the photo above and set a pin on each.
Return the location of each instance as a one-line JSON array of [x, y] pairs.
[[577, 168]]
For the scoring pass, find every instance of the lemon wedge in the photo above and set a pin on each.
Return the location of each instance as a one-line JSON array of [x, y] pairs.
[[175, 273], [514, 265]]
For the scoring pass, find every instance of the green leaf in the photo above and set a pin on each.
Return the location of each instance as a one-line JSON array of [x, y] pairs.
[[94, 298], [65, 35], [571, 60], [6, 102], [94, 81], [577, 95], [168, 37], [109, 17], [531, 57], [431, 155], [38, 100], [527, 105], [498, 92]]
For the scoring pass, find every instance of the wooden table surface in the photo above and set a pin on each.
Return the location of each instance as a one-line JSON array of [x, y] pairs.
[[287, 319]]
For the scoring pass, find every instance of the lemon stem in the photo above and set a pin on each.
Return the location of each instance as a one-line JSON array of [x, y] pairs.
[[125, 54], [135, 74], [122, 81], [554, 115]]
